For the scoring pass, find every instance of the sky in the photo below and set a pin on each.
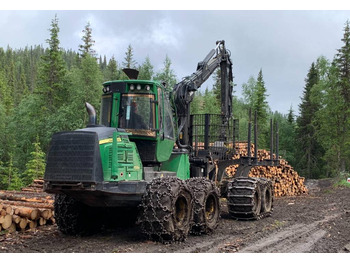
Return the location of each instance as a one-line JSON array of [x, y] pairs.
[[282, 43]]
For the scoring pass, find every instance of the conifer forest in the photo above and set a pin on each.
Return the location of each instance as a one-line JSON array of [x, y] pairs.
[[43, 91]]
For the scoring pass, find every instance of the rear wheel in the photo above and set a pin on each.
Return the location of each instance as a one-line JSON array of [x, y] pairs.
[[266, 197], [206, 205], [244, 198], [166, 210]]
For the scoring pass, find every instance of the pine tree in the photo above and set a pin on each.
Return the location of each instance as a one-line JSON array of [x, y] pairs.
[[146, 70], [129, 61], [112, 72], [88, 42], [167, 74], [342, 61], [53, 71], [309, 150], [35, 167], [290, 117], [261, 107], [6, 97]]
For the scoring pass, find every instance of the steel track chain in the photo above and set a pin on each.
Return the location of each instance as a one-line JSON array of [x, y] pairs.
[[244, 198], [157, 213], [201, 188]]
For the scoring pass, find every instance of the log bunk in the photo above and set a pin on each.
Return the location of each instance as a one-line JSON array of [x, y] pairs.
[[26, 209], [286, 180]]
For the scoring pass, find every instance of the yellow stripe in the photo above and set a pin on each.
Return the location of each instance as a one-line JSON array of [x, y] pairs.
[[107, 140]]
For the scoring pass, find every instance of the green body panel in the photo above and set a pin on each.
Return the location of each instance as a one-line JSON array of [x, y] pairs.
[[164, 149], [120, 159], [178, 163]]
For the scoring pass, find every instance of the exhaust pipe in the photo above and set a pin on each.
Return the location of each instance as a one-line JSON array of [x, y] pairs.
[[92, 114]]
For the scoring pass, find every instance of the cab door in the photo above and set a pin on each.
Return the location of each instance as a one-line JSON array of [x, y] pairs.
[[166, 138]]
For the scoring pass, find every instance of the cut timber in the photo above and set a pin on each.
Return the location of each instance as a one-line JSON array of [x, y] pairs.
[[32, 197], [28, 189], [286, 181], [28, 212], [23, 223], [26, 204], [32, 224], [12, 228], [46, 213], [2, 218], [16, 219], [9, 210], [7, 222], [42, 221]]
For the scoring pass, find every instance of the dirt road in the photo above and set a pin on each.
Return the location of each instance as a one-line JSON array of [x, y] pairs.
[[318, 222]]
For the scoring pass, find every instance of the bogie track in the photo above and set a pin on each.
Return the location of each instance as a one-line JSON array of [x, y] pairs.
[[250, 198]]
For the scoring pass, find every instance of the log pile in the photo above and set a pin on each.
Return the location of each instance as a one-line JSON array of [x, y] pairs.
[[26, 209], [286, 180], [36, 186]]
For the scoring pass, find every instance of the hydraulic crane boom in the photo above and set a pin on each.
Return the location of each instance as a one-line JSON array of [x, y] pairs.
[[183, 91]]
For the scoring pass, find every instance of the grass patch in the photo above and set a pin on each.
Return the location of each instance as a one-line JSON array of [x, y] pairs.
[[342, 183], [342, 180]]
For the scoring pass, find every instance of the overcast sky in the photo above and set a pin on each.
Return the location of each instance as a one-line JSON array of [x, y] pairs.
[[281, 43]]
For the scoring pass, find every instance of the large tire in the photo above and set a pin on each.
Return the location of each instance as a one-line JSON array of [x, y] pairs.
[[72, 217], [244, 198], [206, 205], [166, 210], [267, 196]]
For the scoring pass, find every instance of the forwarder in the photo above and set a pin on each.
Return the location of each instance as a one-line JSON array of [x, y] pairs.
[[148, 152]]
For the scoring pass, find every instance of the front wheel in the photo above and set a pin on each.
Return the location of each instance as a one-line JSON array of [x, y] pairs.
[[73, 217], [166, 210]]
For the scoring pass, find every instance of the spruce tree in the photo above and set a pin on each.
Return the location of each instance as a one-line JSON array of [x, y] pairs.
[[146, 70], [129, 61], [342, 61], [261, 107], [167, 74], [112, 72], [88, 42], [52, 72], [35, 167], [308, 147]]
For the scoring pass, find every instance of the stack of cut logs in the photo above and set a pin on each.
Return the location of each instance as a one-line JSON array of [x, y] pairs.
[[286, 180], [26, 209]]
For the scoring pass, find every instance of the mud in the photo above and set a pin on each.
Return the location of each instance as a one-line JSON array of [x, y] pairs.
[[314, 223]]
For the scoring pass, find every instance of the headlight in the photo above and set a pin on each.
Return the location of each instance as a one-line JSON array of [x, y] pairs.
[[138, 87], [132, 87]]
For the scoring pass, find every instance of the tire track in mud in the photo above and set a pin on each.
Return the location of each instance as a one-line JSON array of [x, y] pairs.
[[297, 238]]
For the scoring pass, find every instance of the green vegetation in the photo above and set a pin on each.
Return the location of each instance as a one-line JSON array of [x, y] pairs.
[[342, 180], [43, 90]]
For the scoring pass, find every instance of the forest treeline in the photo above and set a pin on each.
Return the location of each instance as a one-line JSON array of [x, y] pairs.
[[43, 91]]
